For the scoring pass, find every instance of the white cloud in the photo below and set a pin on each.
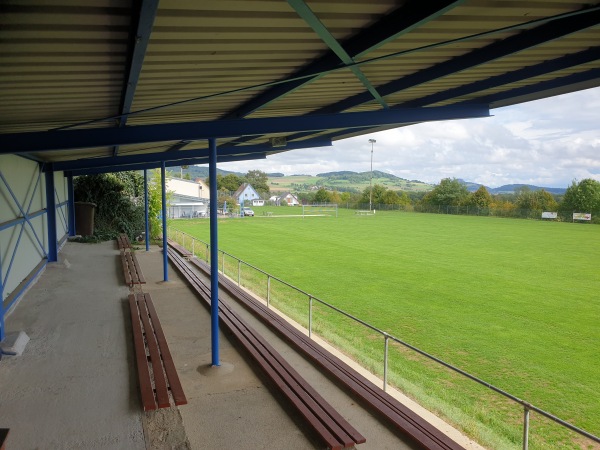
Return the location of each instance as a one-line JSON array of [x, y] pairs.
[[548, 142]]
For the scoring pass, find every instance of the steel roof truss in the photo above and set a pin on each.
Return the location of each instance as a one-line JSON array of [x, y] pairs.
[[142, 24], [549, 31], [311, 19], [107, 137], [188, 154], [390, 27]]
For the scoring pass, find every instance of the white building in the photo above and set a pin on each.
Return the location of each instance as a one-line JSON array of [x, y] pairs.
[[189, 198]]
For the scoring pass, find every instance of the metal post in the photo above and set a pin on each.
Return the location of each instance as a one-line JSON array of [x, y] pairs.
[[372, 141], [525, 427], [385, 361], [2, 331], [51, 215], [206, 252], [163, 183], [146, 215], [223, 263], [268, 290], [310, 302], [71, 200], [214, 254], [193, 247], [239, 271]]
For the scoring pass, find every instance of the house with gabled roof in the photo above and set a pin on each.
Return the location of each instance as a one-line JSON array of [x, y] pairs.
[[245, 194]]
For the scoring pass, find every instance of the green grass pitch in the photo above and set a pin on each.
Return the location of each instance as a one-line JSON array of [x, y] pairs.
[[514, 302]]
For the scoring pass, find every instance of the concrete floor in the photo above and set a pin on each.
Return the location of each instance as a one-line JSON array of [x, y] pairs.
[[75, 386]]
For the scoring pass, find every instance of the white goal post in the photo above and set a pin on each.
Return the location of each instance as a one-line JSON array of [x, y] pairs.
[[320, 209]]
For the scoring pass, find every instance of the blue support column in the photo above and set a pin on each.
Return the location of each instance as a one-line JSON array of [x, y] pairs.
[[51, 215], [164, 221], [214, 254], [2, 331], [71, 204], [146, 209]]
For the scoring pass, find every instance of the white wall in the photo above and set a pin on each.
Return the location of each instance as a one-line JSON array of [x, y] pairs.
[[28, 186]]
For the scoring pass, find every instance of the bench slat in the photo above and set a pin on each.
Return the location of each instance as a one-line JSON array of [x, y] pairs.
[[173, 378], [128, 280], [335, 431], [138, 271], [317, 405], [148, 399], [382, 403], [160, 384]]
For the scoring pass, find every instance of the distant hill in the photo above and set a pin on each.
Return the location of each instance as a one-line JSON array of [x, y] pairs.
[[345, 181], [511, 188], [202, 172]]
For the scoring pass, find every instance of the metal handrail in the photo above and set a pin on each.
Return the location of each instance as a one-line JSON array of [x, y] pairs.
[[527, 407]]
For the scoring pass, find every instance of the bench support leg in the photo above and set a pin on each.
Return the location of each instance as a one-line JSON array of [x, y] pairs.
[[214, 254]]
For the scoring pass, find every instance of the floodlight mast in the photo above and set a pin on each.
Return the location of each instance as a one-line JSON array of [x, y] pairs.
[[372, 141]]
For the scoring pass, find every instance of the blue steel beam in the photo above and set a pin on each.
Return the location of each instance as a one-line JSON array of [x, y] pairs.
[[309, 17], [71, 193], [146, 220], [390, 27], [522, 41], [142, 23], [163, 185], [156, 165], [214, 254], [188, 154], [564, 62], [51, 216], [106, 137], [589, 78]]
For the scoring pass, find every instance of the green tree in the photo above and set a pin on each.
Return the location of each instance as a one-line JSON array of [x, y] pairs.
[[259, 181], [450, 192], [481, 198], [378, 193], [116, 211], [230, 182], [582, 197], [322, 196], [390, 198]]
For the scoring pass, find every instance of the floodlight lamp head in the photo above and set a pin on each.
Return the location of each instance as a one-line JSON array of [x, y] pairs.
[[372, 141]]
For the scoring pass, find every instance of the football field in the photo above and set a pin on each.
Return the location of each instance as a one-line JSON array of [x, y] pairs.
[[513, 302]]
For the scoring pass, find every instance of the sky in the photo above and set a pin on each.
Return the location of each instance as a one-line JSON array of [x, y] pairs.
[[547, 143]]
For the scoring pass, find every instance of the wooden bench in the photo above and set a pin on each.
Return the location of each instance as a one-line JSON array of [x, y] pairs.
[[3, 436], [156, 371], [400, 418], [131, 269], [322, 418], [123, 242]]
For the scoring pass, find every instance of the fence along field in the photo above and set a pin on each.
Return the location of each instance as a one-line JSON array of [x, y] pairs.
[[513, 302]]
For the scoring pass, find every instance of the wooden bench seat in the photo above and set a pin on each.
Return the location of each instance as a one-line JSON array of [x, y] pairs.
[[123, 242], [156, 371], [400, 418], [323, 419], [131, 269]]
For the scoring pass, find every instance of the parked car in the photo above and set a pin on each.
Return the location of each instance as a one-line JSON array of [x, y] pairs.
[[247, 212]]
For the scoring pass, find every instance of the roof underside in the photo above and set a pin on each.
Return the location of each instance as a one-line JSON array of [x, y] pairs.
[[92, 85]]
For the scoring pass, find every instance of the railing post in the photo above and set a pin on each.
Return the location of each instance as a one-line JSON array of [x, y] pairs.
[[525, 427], [385, 360], [207, 253], [239, 272], [268, 290], [193, 247], [310, 302], [223, 263]]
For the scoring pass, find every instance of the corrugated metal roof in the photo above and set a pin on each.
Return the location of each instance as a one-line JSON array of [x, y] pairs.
[[69, 62]]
